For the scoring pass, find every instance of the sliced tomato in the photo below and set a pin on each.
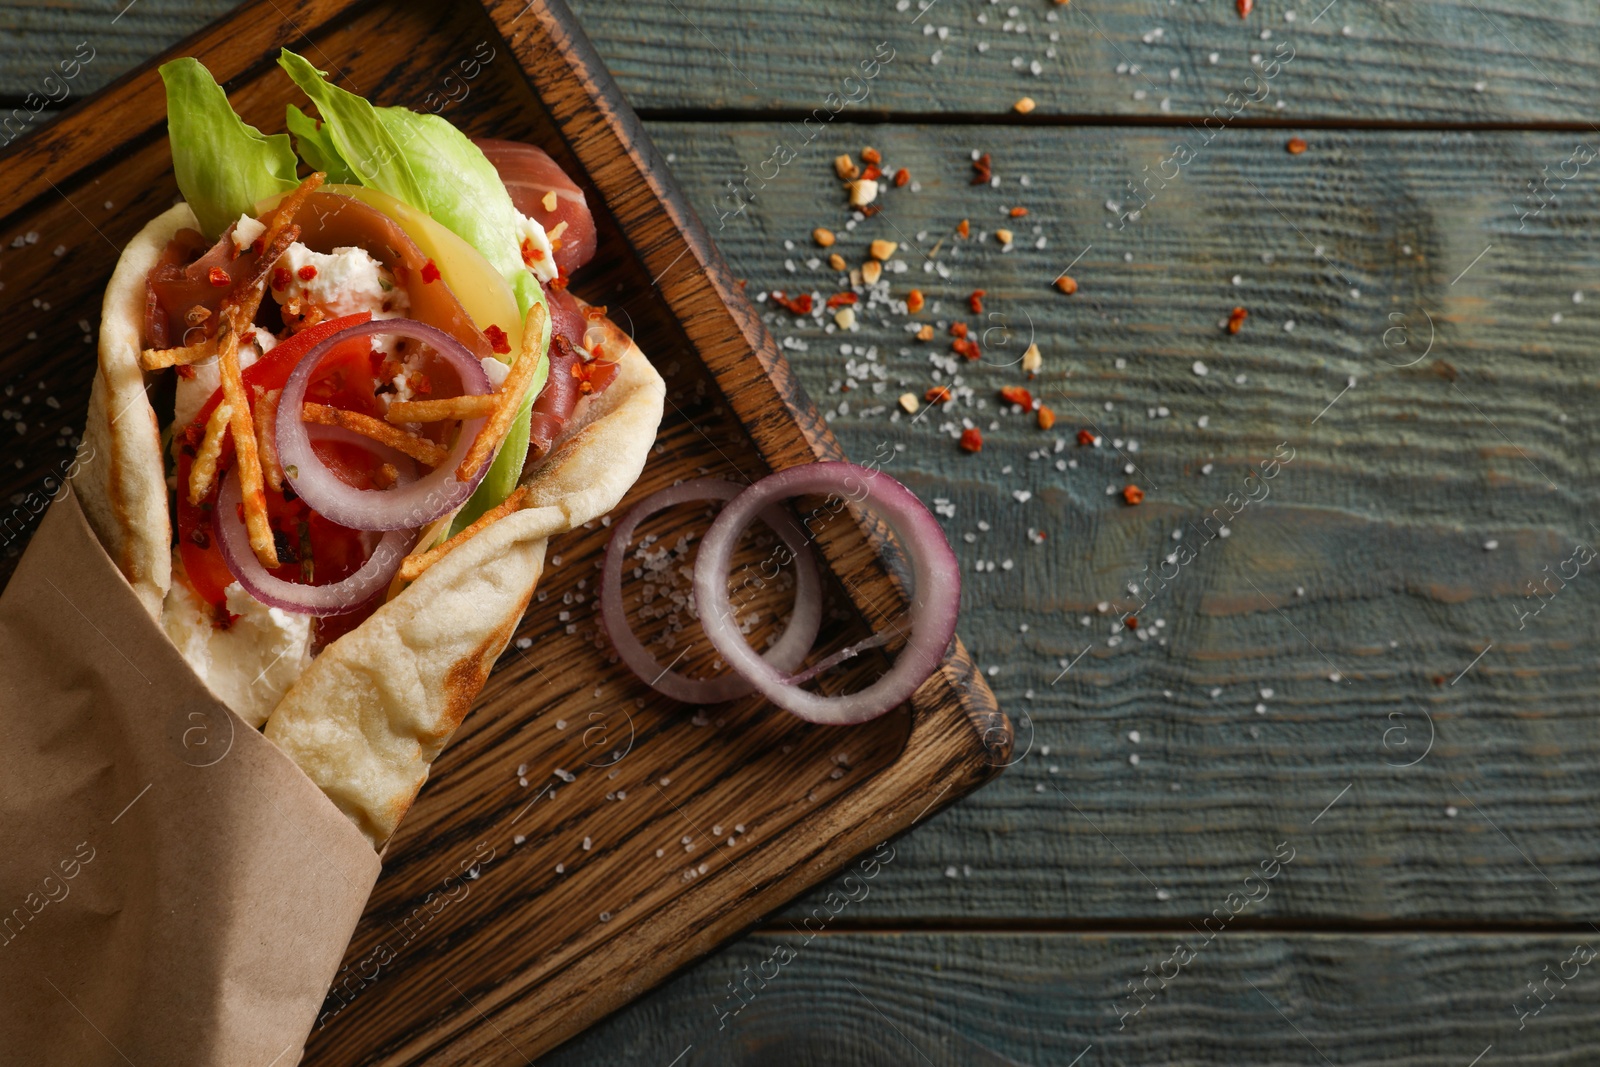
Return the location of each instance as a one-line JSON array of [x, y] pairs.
[[273, 369], [345, 379], [207, 573]]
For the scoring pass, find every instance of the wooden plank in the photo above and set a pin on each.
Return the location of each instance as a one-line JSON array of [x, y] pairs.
[[1002, 999], [585, 887], [1381, 518], [1413, 63]]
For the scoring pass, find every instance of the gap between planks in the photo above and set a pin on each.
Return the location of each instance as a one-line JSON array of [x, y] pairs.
[[1287, 927], [860, 117], [1011, 118]]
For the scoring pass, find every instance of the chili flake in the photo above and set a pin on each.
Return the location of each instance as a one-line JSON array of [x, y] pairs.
[[967, 348], [938, 394], [964, 228], [872, 173], [1244, 7], [982, 170], [306, 273], [430, 273], [800, 305], [1016, 394], [975, 301], [1086, 437], [901, 176], [1047, 418], [1132, 494], [871, 155], [219, 277], [841, 299], [1236, 319], [926, 333], [1295, 146], [914, 301], [497, 338], [1067, 284], [971, 440], [530, 254], [1131, 622], [958, 329], [1018, 212], [584, 372]]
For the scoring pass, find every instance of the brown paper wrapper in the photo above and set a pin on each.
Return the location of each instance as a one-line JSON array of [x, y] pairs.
[[173, 890]]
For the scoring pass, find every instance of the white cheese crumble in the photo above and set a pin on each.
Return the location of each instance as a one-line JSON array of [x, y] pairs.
[[249, 665], [346, 281], [195, 390], [496, 370], [245, 232], [530, 234]]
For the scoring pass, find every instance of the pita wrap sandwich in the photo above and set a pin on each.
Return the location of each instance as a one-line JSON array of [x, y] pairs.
[[343, 415]]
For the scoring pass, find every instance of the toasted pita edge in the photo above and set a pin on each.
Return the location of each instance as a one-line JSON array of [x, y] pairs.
[[122, 483]]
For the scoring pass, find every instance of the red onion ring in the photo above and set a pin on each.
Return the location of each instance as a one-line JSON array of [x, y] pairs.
[[401, 508], [934, 604], [336, 598], [786, 653]]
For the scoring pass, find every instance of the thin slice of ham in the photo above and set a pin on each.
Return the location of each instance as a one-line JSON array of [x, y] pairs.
[[327, 221], [529, 175], [181, 301], [562, 392]]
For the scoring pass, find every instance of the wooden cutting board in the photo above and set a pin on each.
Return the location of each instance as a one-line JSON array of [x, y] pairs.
[[582, 838]]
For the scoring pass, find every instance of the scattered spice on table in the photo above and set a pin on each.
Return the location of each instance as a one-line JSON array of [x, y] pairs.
[[800, 305], [982, 170], [975, 301], [1236, 319], [971, 440], [1295, 146], [1245, 7], [1016, 394], [1132, 494], [1087, 437], [938, 394], [1047, 418], [1067, 284], [914, 301]]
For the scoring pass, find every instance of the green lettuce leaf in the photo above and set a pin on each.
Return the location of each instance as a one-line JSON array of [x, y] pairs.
[[428, 163], [316, 147], [223, 166]]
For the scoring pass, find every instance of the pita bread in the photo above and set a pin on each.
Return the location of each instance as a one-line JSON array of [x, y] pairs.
[[367, 716]]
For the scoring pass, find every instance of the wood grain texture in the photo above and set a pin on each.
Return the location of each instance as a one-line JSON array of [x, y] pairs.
[[588, 887], [1418, 63], [1381, 519], [1004, 999]]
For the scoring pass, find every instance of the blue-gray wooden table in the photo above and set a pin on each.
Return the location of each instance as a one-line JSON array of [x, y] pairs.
[[1308, 747]]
